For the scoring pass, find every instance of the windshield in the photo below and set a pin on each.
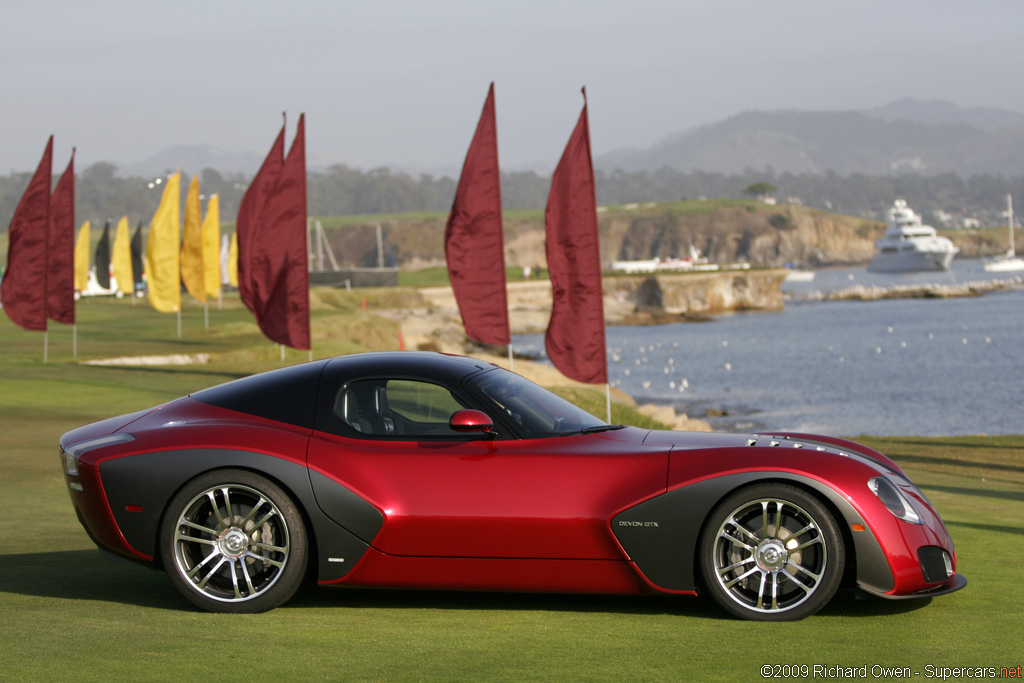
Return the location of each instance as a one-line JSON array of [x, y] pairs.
[[536, 411]]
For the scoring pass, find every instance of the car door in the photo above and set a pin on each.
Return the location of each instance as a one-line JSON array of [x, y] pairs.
[[444, 494]]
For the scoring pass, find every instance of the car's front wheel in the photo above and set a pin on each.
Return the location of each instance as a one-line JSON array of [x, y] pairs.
[[232, 541], [772, 552]]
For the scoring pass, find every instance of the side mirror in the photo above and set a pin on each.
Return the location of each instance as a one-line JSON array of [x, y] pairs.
[[471, 421]]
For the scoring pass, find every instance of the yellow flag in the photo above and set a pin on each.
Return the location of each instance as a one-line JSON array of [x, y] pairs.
[[82, 257], [233, 261], [211, 247], [121, 259], [163, 278], [192, 244]]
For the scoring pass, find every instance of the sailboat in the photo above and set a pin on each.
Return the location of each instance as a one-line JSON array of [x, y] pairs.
[[1008, 262]]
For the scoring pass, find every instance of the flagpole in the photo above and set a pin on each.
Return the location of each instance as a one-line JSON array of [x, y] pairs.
[[206, 315], [608, 397], [510, 366]]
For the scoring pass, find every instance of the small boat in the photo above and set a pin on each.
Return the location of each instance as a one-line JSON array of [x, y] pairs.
[[794, 273], [1009, 261], [909, 245]]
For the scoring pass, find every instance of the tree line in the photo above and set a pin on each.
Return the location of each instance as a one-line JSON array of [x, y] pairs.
[[101, 194]]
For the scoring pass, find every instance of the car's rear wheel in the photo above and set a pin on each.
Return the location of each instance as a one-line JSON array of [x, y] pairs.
[[772, 552], [232, 541]]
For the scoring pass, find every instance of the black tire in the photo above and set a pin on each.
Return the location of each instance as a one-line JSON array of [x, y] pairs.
[[758, 569], [248, 561]]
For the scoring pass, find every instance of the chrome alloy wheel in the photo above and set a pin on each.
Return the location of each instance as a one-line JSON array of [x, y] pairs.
[[231, 543], [769, 556]]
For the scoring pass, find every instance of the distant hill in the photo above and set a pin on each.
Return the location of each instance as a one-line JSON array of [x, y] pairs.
[[193, 158], [909, 135]]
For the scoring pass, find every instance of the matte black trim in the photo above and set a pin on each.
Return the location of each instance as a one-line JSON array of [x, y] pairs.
[[151, 479], [346, 508], [664, 545], [933, 563], [955, 583], [287, 395]]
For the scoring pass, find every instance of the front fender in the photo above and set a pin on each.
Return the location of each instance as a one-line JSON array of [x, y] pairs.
[[660, 536]]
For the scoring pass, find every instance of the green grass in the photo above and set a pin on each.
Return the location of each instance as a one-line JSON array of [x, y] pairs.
[[67, 612], [437, 276]]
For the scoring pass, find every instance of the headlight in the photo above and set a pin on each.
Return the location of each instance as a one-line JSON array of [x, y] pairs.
[[894, 500], [75, 451]]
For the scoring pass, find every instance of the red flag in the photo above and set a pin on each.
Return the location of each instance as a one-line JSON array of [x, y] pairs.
[[249, 211], [474, 245], [278, 260], [23, 292], [60, 258], [575, 336]]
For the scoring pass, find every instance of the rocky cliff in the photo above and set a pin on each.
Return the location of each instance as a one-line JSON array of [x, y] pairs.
[[636, 300], [726, 231]]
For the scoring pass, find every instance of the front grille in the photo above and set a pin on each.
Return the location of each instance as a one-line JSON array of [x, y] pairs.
[[935, 564]]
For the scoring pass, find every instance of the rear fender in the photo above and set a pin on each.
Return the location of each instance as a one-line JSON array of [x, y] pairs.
[[140, 487]]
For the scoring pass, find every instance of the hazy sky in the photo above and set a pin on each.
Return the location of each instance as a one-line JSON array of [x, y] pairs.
[[402, 83]]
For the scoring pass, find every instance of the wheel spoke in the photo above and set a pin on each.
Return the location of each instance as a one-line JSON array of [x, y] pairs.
[[266, 518], [234, 580], [229, 514], [197, 527], [735, 540], [804, 586], [209, 575], [811, 542], [725, 570], [192, 539], [803, 531], [248, 581], [760, 590], [745, 530], [196, 569], [266, 560], [802, 570], [283, 549], [741, 577], [252, 513], [216, 509]]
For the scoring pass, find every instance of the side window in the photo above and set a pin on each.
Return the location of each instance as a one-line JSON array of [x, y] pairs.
[[396, 408]]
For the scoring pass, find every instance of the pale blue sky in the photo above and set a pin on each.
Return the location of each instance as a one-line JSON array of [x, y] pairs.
[[402, 83]]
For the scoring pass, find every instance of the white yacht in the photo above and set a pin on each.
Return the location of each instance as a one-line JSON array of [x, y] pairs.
[[909, 245]]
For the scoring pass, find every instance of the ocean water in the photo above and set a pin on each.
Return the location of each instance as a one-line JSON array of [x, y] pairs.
[[928, 367]]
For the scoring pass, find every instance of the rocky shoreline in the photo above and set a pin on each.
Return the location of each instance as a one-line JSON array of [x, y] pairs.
[[927, 291]]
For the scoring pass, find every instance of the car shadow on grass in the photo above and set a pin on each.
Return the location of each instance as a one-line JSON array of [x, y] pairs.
[[850, 602], [87, 575], [846, 603], [402, 599]]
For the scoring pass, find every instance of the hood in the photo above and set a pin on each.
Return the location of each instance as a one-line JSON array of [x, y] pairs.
[[692, 441]]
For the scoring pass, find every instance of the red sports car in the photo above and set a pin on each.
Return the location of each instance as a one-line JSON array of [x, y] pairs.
[[421, 470]]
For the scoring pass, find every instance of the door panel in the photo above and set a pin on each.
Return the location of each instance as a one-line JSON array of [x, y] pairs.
[[542, 498]]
